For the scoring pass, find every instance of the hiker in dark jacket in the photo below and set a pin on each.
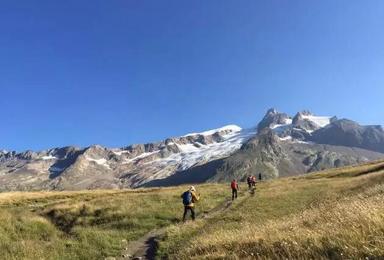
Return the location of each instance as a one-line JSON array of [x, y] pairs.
[[189, 199], [235, 188], [249, 181]]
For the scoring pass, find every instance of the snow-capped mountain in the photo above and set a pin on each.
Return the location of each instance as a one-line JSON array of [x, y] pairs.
[[288, 146], [283, 125], [132, 166], [306, 127], [280, 145]]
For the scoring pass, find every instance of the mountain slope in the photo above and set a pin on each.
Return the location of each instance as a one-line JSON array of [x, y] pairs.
[[268, 155], [348, 133]]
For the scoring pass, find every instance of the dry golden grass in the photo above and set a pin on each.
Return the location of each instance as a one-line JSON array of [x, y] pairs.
[[352, 228], [307, 217], [294, 218]]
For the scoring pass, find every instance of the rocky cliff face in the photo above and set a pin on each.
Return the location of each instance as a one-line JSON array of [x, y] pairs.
[[349, 133], [280, 145], [262, 153]]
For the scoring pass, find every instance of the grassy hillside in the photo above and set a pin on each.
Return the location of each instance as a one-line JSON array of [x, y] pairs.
[[89, 224], [314, 216], [332, 214]]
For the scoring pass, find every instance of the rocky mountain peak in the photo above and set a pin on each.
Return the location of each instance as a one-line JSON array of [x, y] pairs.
[[96, 151], [272, 111], [306, 113], [6, 155], [272, 118], [301, 121], [64, 152], [27, 155]]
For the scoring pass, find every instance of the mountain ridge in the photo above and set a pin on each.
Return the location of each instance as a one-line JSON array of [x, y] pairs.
[[279, 145]]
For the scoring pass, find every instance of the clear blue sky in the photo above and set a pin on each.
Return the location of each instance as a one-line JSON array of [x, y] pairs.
[[119, 72]]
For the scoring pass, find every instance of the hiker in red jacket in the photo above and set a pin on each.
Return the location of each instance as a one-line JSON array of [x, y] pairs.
[[235, 188]]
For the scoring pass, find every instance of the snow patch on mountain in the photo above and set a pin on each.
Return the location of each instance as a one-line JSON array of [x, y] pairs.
[[279, 127], [285, 127], [102, 161], [49, 157], [231, 128], [286, 138], [120, 152], [141, 156], [191, 155], [321, 121]]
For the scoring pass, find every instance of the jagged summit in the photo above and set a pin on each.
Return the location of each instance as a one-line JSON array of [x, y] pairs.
[[283, 124], [272, 111], [272, 119], [305, 113]]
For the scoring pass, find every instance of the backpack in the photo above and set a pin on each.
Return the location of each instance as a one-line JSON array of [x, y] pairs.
[[233, 185], [187, 198]]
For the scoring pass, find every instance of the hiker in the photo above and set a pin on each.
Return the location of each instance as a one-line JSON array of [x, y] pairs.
[[235, 188], [249, 182], [253, 181], [260, 176], [189, 198]]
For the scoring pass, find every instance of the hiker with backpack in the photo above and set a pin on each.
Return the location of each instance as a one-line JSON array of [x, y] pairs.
[[253, 181], [249, 182], [189, 199], [235, 188]]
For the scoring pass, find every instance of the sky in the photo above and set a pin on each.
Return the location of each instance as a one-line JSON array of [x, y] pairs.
[[121, 72]]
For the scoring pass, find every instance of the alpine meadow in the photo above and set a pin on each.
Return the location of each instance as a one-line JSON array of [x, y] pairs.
[[176, 130], [331, 214]]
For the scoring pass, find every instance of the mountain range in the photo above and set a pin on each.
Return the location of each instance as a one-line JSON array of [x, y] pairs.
[[280, 145]]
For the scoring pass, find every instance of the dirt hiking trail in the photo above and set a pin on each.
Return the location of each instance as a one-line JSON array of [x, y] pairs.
[[145, 247]]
